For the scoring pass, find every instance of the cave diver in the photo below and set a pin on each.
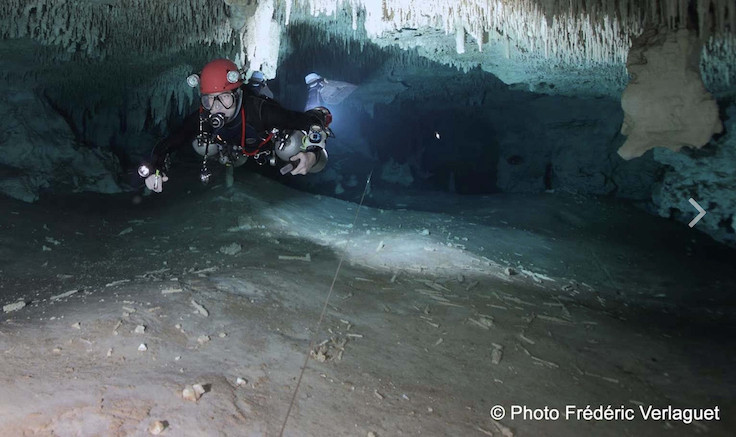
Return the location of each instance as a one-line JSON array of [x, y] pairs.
[[234, 124]]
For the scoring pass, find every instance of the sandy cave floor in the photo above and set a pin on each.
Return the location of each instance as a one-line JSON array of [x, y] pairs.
[[607, 306]]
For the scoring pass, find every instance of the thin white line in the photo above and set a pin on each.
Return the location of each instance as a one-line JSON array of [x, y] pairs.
[[324, 310]]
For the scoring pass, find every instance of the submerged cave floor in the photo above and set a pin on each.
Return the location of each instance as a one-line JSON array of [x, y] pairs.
[[426, 329]]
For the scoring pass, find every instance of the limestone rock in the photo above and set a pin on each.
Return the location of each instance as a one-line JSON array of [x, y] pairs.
[[193, 392], [707, 175], [396, 173], [666, 103], [14, 306], [189, 394], [231, 249], [157, 427], [40, 151]]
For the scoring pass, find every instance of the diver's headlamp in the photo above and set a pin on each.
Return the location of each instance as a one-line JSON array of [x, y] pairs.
[[144, 171]]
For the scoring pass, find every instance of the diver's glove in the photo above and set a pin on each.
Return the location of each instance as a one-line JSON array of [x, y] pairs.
[[155, 182]]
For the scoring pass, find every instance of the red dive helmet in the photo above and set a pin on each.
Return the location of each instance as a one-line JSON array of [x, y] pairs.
[[217, 76]]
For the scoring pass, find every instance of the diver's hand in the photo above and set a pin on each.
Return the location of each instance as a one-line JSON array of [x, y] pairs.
[[155, 182], [306, 161]]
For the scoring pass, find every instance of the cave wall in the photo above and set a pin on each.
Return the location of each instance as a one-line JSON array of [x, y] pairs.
[[101, 83], [39, 148], [707, 175], [423, 125]]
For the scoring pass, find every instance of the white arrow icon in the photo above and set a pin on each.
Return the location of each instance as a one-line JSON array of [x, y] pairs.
[[701, 212]]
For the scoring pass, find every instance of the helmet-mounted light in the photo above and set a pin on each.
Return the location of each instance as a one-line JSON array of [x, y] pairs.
[[193, 80], [233, 76]]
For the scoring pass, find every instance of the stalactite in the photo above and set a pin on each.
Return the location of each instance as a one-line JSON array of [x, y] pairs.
[[572, 31], [717, 64], [98, 29]]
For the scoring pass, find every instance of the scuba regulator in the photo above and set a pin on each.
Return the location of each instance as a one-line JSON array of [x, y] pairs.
[[207, 145]]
